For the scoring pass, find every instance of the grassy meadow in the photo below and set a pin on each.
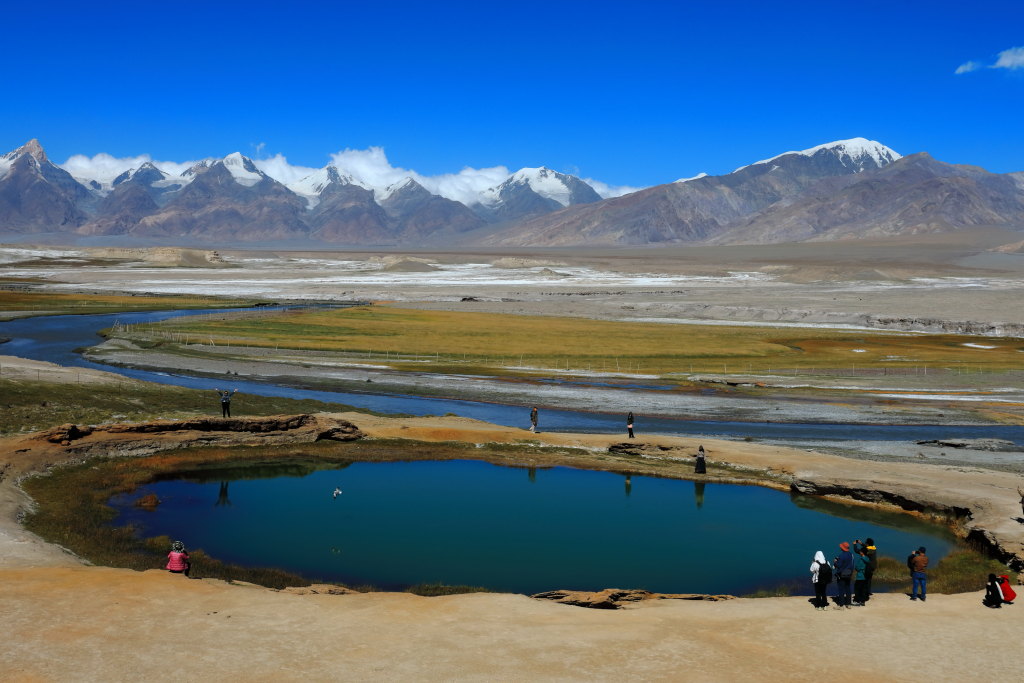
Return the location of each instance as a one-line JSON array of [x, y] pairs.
[[48, 302], [27, 405], [406, 338]]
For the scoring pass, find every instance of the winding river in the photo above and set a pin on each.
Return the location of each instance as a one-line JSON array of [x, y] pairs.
[[57, 339]]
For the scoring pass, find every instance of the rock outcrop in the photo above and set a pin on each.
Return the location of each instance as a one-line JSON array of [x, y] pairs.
[[616, 598], [145, 438]]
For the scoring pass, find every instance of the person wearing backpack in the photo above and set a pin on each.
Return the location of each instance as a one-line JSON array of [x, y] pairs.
[[844, 573], [821, 577]]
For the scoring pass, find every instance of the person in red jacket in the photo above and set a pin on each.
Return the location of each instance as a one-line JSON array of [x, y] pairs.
[[177, 559]]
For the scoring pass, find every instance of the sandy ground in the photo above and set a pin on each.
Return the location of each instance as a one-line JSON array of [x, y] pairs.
[[922, 283], [66, 621]]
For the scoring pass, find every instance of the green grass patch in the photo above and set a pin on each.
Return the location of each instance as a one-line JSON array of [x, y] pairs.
[[407, 338], [32, 406], [55, 303], [962, 571]]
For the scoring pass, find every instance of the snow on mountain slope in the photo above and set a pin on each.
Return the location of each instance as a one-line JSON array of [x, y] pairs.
[[853, 152], [696, 177], [545, 182], [242, 169], [382, 195], [32, 148], [312, 186]]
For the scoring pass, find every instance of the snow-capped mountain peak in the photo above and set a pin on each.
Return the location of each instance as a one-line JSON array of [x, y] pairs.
[[545, 182], [406, 182], [856, 152], [312, 186], [242, 169], [316, 182], [147, 173], [32, 148], [558, 187], [696, 177]]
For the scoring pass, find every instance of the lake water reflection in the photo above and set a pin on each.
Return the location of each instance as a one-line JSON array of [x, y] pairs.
[[521, 530]]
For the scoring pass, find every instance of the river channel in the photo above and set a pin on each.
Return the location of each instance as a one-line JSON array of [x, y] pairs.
[[57, 339]]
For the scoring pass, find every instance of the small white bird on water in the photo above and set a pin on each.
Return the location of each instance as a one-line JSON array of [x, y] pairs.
[[337, 492]]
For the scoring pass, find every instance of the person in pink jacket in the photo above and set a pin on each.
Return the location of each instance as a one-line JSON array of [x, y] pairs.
[[177, 559]]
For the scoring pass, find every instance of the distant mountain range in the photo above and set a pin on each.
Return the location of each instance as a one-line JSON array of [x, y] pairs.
[[842, 190]]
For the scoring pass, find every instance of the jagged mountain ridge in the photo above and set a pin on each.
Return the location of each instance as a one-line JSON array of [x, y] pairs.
[[840, 190], [915, 194], [697, 209]]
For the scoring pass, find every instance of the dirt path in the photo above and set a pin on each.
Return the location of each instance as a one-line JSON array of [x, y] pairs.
[[104, 624]]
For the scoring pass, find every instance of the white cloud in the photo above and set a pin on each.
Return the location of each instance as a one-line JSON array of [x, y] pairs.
[[608, 191], [1010, 59], [278, 168], [103, 167], [370, 167]]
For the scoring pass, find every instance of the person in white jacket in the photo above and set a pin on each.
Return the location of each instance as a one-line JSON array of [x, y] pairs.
[[821, 577]]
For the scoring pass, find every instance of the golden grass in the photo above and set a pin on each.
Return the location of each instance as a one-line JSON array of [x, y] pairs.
[[446, 337], [101, 303]]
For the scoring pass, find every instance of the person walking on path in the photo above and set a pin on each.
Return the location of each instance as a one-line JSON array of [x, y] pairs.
[[860, 567], [629, 424], [533, 419], [844, 572], [918, 575], [701, 466], [821, 577], [225, 401], [177, 559]]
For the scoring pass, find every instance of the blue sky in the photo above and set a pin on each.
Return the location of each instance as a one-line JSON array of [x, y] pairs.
[[635, 93]]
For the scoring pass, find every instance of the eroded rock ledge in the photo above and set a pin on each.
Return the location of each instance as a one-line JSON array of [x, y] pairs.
[[151, 437], [616, 598]]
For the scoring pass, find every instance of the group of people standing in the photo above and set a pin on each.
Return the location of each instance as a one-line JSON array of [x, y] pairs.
[[855, 566]]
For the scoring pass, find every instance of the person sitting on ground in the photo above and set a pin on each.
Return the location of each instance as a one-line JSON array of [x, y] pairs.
[[993, 592], [177, 559]]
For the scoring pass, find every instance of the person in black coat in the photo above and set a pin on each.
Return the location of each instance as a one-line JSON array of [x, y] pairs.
[[629, 424], [701, 466]]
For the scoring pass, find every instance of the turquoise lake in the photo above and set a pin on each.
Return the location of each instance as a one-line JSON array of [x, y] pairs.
[[521, 530]]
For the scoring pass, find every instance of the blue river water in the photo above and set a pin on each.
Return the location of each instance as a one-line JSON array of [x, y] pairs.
[[398, 524], [57, 338]]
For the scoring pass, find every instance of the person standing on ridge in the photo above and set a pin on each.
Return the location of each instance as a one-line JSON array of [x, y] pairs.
[[700, 467], [843, 572], [533, 419], [629, 424], [225, 401], [821, 577], [860, 567], [872, 554], [918, 575]]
